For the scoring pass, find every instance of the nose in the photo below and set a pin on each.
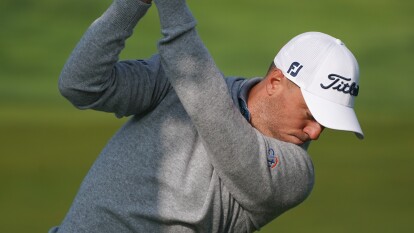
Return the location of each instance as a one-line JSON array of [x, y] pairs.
[[313, 129]]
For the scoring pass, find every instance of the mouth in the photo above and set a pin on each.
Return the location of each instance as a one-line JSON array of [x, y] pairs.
[[302, 139], [295, 139]]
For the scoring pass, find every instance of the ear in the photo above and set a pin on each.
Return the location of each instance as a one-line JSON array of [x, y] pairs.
[[274, 81]]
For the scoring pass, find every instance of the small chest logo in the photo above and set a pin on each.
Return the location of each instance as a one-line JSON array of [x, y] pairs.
[[294, 69], [341, 84], [272, 159]]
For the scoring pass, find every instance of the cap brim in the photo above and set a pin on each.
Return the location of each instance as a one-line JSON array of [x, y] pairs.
[[332, 115]]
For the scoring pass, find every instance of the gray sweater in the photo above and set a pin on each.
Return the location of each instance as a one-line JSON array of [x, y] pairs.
[[187, 160]]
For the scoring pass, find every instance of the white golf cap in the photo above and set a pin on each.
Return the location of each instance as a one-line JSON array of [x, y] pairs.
[[328, 76]]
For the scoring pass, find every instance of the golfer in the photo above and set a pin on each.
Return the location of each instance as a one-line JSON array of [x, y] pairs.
[[201, 152]]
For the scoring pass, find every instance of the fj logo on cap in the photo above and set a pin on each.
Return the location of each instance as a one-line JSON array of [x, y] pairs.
[[294, 69], [340, 83]]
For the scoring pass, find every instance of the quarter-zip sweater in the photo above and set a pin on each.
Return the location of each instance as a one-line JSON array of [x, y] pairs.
[[187, 160]]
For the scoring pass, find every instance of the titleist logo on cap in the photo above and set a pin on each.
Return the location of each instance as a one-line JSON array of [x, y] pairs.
[[341, 84]]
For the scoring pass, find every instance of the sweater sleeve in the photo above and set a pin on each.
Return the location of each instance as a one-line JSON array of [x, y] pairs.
[[94, 78], [266, 176]]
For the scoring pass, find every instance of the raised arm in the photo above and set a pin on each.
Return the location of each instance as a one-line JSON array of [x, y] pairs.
[[240, 154], [94, 78]]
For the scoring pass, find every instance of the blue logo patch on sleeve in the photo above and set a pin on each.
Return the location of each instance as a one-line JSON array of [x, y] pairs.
[[272, 159]]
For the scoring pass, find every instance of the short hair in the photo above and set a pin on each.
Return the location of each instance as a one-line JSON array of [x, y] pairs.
[[271, 68]]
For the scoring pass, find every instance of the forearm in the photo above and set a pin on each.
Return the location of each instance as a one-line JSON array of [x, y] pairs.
[[89, 71], [190, 68]]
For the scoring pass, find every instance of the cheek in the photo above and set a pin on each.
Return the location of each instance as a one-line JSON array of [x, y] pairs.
[[296, 116], [296, 123]]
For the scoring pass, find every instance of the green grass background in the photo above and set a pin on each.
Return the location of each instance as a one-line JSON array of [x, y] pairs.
[[47, 146]]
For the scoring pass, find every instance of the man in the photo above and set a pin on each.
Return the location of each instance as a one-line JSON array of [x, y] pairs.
[[201, 153]]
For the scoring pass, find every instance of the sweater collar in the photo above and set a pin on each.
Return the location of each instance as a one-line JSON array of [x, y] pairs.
[[243, 95]]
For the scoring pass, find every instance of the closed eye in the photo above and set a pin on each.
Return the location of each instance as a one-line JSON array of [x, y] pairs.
[[310, 116]]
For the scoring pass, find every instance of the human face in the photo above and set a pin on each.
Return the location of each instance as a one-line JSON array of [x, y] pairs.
[[293, 120], [285, 115]]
